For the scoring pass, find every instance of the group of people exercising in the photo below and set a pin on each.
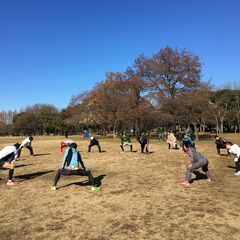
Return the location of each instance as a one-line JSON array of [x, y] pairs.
[[198, 160], [72, 163]]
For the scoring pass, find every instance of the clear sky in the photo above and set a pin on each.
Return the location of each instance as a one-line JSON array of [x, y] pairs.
[[53, 49]]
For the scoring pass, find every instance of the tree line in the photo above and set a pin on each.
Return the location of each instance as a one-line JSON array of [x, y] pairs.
[[164, 91]]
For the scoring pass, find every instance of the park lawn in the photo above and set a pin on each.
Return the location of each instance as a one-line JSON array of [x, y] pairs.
[[140, 196]]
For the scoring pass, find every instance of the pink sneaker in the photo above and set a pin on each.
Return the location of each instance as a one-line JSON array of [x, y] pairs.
[[11, 183], [184, 183], [209, 180]]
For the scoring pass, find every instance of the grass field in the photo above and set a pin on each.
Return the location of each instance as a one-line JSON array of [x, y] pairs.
[[140, 196]]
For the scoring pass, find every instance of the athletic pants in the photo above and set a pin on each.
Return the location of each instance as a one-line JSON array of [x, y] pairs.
[[237, 165], [143, 147], [171, 145], [203, 163], [80, 172], [130, 144], [5, 159], [91, 145], [29, 148], [221, 147]]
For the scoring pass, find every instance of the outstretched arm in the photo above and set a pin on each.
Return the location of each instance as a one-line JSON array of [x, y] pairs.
[[67, 159], [81, 162]]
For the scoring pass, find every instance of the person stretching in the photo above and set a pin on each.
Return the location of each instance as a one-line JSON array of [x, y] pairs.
[[171, 140], [144, 142], [187, 139], [8, 156], [94, 142], [64, 144], [221, 144], [235, 150], [197, 160], [125, 141], [26, 143], [71, 166]]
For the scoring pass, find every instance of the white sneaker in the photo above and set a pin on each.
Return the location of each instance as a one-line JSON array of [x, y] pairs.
[[237, 173]]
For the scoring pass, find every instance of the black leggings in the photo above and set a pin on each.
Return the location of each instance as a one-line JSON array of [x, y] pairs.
[[29, 148], [80, 172], [221, 147], [8, 159], [91, 145], [237, 165], [143, 147]]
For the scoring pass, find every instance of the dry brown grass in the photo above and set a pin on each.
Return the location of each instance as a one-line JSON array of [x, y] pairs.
[[140, 196]]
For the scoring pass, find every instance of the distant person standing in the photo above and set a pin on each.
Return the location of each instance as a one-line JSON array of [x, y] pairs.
[[26, 143], [94, 142], [66, 134], [161, 134], [221, 144], [8, 156]]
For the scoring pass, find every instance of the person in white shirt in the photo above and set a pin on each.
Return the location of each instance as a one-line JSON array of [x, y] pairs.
[[235, 150], [8, 156], [171, 141], [26, 143]]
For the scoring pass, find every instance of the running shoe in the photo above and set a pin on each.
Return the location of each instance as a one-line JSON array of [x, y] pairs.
[[95, 188], [209, 180], [184, 183], [11, 183], [237, 173], [53, 188]]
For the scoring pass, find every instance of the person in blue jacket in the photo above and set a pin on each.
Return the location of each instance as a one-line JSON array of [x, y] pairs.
[[71, 166]]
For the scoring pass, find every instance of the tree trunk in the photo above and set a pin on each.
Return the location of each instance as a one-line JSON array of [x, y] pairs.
[[221, 126], [217, 125], [238, 120], [196, 131]]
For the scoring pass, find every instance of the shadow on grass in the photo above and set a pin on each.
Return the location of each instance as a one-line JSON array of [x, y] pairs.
[[144, 153], [151, 152], [199, 176], [231, 167], [30, 176], [103, 151], [23, 165], [42, 154], [97, 180]]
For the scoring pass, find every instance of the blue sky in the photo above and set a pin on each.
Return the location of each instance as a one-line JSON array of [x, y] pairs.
[[53, 49]]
